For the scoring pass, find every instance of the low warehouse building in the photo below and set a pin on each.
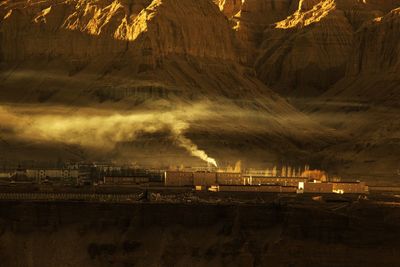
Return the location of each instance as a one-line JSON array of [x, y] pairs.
[[177, 178], [228, 178], [350, 188], [318, 188], [257, 188], [339, 188], [40, 175], [284, 181], [204, 178], [125, 180]]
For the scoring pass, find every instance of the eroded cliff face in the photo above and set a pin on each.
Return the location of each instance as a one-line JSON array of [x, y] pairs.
[[143, 32], [229, 7], [303, 47], [338, 60], [251, 17], [167, 43], [374, 58], [377, 47], [301, 58], [365, 103], [310, 50]]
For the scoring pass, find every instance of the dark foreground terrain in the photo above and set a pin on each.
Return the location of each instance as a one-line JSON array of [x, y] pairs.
[[281, 232]]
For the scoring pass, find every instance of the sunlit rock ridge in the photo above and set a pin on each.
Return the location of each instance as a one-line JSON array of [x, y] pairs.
[[145, 29]]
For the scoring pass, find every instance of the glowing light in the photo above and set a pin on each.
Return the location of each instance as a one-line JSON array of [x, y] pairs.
[[338, 191], [301, 186]]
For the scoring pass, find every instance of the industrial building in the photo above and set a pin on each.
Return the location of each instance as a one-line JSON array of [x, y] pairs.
[[349, 187], [178, 178], [285, 181], [204, 178], [125, 180], [222, 181], [230, 179], [333, 187], [41, 175], [255, 188], [313, 187]]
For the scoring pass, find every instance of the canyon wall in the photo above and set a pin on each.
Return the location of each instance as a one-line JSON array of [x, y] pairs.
[[86, 58], [137, 32], [377, 47], [303, 47], [365, 103], [338, 61]]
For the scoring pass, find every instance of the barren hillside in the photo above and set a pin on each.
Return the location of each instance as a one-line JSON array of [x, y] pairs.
[[142, 79], [173, 71], [366, 103], [337, 60], [301, 47]]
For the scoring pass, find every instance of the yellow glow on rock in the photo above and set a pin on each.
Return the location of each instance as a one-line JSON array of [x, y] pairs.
[[302, 18]]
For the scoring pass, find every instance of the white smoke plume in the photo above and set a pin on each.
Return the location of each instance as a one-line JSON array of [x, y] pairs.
[[186, 143], [99, 130]]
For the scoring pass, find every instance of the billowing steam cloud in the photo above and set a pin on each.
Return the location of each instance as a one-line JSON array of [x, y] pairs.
[[99, 130]]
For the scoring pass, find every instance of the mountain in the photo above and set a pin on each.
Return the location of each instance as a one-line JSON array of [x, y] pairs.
[[366, 101], [301, 48], [145, 81], [337, 61], [151, 81]]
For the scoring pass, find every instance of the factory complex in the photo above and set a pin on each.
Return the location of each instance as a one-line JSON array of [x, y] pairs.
[[247, 182], [285, 179]]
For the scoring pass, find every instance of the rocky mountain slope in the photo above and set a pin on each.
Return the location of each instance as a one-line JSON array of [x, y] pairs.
[[302, 47], [366, 101], [197, 76], [338, 61], [144, 77]]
